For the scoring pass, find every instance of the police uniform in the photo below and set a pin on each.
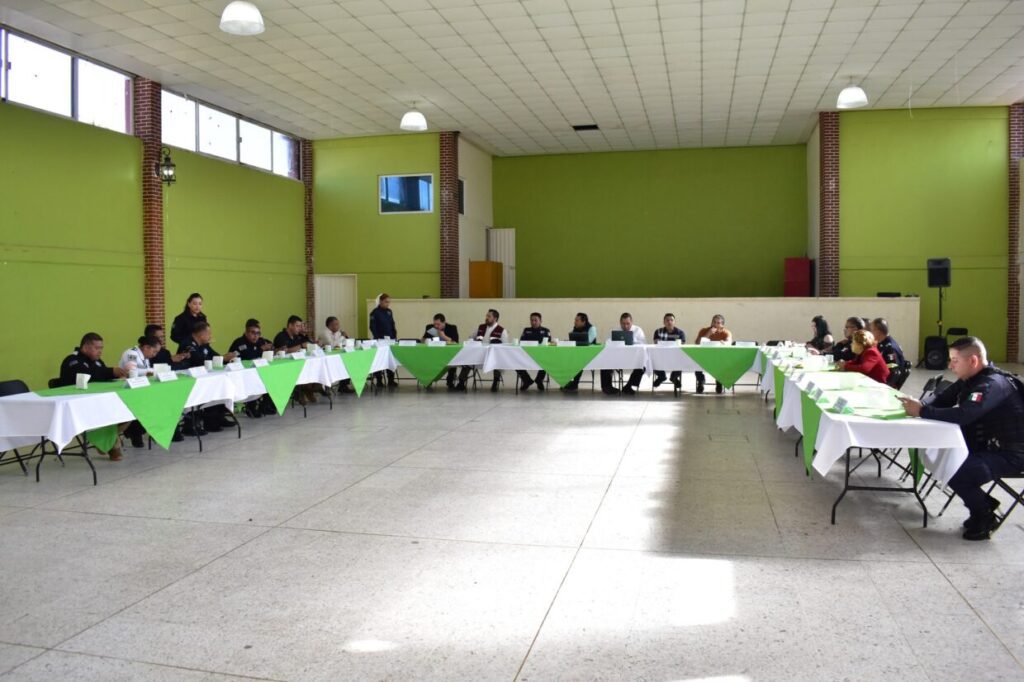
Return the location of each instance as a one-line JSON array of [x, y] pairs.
[[184, 323], [842, 351], [284, 340], [246, 349], [199, 353], [891, 351], [663, 334], [77, 363], [134, 355], [382, 323], [990, 411], [452, 332], [541, 335]]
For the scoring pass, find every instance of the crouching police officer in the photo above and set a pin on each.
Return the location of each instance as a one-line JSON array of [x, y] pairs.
[[987, 403]]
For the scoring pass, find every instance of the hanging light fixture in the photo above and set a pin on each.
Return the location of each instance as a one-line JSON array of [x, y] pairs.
[[414, 121], [852, 97], [241, 18], [165, 170]]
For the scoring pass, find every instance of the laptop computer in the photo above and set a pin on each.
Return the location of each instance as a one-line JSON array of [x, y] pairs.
[[581, 338], [620, 335]]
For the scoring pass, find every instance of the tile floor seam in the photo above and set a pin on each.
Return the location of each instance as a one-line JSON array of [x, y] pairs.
[[423, 538], [159, 665], [151, 518], [579, 548], [967, 601]]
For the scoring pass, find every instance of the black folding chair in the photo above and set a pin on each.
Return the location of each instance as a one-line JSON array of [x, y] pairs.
[[15, 387]]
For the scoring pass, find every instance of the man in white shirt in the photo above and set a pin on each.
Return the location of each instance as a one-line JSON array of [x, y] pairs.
[[139, 356], [626, 324], [332, 336]]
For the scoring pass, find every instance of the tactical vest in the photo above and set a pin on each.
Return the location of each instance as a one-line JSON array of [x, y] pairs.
[[1002, 428]]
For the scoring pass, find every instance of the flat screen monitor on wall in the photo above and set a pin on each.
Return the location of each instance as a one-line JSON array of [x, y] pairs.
[[406, 194]]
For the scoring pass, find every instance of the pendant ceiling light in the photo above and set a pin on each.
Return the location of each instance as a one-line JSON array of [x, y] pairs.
[[414, 121], [241, 18], [852, 97]]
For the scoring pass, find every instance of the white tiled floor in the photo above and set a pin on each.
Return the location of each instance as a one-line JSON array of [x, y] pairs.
[[424, 535]]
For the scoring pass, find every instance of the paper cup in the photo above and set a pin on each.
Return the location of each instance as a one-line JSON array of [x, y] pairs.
[[268, 355], [218, 361], [133, 373], [208, 365], [82, 381]]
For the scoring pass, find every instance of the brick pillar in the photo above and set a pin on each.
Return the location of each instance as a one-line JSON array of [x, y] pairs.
[[828, 228], [450, 215], [306, 173], [1013, 264], [146, 124]]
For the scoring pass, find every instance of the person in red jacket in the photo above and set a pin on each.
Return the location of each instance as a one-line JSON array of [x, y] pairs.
[[866, 357]]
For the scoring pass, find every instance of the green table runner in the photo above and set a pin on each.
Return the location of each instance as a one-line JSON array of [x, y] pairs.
[[725, 363], [562, 363], [778, 388], [279, 378], [357, 364], [157, 407], [425, 362]]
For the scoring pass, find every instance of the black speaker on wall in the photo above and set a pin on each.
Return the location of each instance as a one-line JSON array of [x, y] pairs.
[[939, 272]]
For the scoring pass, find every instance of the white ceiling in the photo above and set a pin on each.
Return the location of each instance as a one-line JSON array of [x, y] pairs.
[[514, 76]]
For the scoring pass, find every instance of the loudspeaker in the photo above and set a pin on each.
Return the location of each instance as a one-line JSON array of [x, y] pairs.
[[936, 353], [938, 272]]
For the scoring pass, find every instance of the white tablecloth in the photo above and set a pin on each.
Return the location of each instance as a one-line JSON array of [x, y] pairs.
[[27, 417], [941, 445], [510, 358]]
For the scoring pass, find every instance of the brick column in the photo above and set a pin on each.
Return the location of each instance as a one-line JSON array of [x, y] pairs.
[[449, 215], [146, 124], [1013, 263], [828, 227], [306, 173]]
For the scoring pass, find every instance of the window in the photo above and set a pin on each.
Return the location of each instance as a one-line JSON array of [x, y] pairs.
[[254, 145], [38, 76], [178, 121], [103, 97], [218, 133], [286, 156], [195, 126], [406, 193], [50, 79]]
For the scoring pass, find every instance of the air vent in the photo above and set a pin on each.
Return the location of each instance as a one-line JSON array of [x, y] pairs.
[[585, 127]]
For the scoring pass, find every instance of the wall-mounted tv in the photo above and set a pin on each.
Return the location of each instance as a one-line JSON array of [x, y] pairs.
[[407, 193]]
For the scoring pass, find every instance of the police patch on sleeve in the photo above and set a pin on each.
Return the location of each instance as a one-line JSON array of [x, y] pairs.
[[975, 397]]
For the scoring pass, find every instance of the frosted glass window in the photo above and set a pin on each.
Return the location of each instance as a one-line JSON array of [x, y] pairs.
[[178, 121], [254, 145], [38, 76], [218, 133], [285, 156], [103, 96]]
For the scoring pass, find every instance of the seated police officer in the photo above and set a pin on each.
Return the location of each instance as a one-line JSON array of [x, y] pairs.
[[197, 345], [449, 333], [488, 332], [670, 332], [292, 339], [163, 356], [887, 346], [251, 346], [987, 404], [540, 334], [86, 360], [139, 358], [626, 324]]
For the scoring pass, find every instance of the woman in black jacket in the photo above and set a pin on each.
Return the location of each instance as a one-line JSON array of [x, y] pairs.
[[181, 328]]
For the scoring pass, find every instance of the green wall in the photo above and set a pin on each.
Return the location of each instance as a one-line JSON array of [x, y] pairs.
[[932, 184], [235, 235], [686, 222], [70, 241], [399, 254]]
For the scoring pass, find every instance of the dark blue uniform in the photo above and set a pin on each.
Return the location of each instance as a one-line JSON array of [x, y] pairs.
[[184, 323], [842, 351], [382, 323], [891, 351], [663, 334], [246, 349], [990, 411], [542, 335], [199, 353], [284, 340], [76, 363]]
